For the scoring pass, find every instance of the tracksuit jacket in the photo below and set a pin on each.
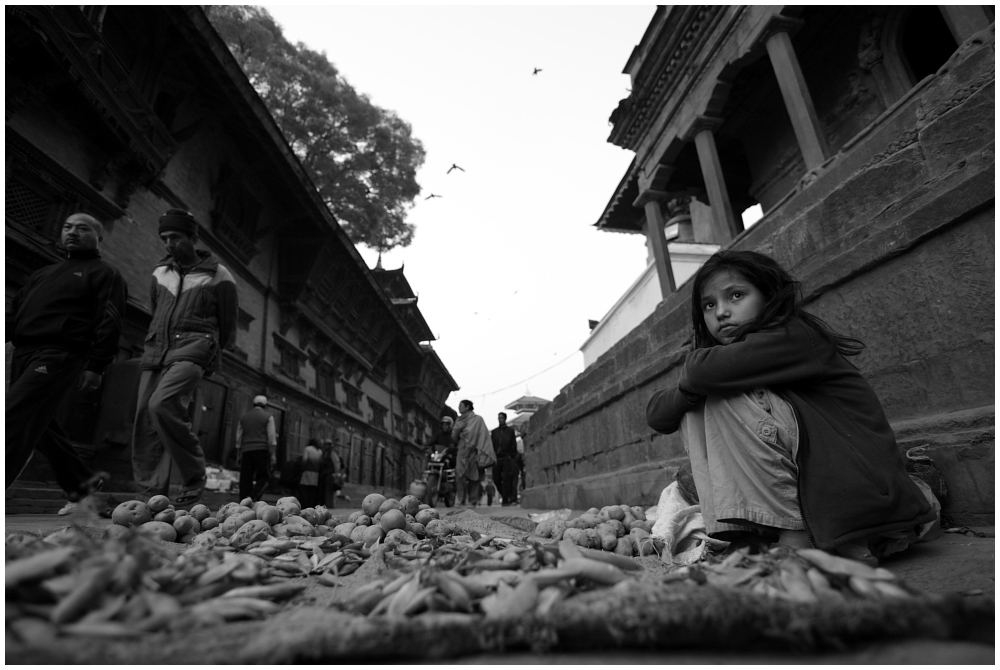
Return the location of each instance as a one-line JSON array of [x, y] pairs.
[[852, 480], [74, 306], [194, 314]]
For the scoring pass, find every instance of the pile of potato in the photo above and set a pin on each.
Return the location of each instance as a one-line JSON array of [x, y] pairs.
[[620, 529], [249, 522]]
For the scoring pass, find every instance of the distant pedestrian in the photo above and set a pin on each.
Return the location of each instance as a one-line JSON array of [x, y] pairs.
[[505, 470], [475, 453], [331, 475], [194, 305], [312, 461], [490, 489], [64, 323], [256, 449]]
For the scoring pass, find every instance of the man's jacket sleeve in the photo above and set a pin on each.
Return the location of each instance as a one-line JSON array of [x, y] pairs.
[[111, 298]]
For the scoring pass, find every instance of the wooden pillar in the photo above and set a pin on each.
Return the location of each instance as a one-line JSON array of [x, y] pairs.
[[797, 99], [723, 218], [649, 200], [964, 21]]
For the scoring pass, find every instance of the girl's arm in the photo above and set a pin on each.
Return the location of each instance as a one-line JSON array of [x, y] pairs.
[[791, 354], [666, 409]]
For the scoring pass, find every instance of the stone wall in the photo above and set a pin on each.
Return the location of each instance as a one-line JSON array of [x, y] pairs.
[[894, 243]]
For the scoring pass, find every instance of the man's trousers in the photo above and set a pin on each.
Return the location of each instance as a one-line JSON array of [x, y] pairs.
[[163, 428], [39, 382]]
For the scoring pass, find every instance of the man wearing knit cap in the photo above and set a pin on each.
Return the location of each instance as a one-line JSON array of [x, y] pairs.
[[64, 323], [256, 449], [194, 307]]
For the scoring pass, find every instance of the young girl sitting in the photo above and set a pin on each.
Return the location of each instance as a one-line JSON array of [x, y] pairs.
[[785, 436]]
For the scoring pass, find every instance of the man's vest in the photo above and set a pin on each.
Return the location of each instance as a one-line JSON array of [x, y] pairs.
[[254, 425]]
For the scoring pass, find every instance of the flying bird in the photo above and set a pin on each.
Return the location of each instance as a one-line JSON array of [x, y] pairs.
[[537, 70], [454, 166], [433, 195]]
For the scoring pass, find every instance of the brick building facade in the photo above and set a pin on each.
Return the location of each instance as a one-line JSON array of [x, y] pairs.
[[123, 112], [866, 134]]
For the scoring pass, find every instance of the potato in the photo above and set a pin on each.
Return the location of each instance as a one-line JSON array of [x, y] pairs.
[[345, 529], [372, 535], [289, 506], [268, 514], [616, 513], [309, 514], [591, 520], [166, 516], [577, 523], [624, 546], [593, 538], [372, 502], [258, 504], [410, 504], [638, 512], [425, 516], [363, 520], [417, 529], [577, 536], [230, 509], [544, 529], [158, 530], [250, 532], [200, 512], [209, 523], [423, 506], [358, 533], [131, 513], [603, 514], [376, 518], [593, 511], [157, 504], [609, 538], [396, 537], [353, 517], [206, 538], [186, 525], [178, 512], [247, 502], [186, 539], [294, 525], [322, 514], [617, 526], [392, 519], [231, 525]]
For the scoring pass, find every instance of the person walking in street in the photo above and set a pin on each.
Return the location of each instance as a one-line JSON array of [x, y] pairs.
[[194, 305], [505, 470], [256, 449], [312, 461], [475, 453], [64, 324], [331, 475]]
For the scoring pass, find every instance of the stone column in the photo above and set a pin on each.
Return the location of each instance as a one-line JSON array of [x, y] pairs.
[[964, 21], [725, 224], [649, 200], [798, 102]]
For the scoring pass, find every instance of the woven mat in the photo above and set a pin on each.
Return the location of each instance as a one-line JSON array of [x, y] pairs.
[[632, 616]]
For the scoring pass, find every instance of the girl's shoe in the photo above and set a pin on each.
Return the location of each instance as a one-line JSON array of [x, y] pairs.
[[858, 551]]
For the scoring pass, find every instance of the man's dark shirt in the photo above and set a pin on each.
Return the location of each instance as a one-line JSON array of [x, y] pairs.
[[504, 442]]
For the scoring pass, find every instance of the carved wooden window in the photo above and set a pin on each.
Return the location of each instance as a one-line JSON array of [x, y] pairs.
[[326, 382], [290, 359], [33, 208], [353, 398], [379, 414], [236, 213], [398, 425]]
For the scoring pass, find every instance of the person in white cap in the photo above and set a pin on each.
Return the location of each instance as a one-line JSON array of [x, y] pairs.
[[256, 449]]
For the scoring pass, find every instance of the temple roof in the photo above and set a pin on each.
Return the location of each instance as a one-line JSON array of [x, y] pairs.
[[620, 215]]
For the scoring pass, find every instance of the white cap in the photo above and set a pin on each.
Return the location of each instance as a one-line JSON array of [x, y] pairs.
[[260, 400]]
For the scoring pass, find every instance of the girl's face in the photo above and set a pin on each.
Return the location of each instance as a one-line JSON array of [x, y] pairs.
[[728, 300]]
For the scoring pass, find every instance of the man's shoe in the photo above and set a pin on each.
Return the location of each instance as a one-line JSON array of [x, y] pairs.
[[68, 508], [89, 487]]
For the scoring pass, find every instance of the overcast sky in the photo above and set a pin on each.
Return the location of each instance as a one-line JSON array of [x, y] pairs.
[[507, 264]]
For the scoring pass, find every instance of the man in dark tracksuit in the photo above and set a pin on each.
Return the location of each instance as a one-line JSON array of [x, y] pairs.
[[194, 305], [64, 324], [256, 442], [505, 471]]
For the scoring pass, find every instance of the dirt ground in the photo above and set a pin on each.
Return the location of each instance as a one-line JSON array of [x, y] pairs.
[[961, 564]]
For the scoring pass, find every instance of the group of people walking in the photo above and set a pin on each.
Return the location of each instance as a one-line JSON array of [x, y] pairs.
[[481, 457], [65, 324]]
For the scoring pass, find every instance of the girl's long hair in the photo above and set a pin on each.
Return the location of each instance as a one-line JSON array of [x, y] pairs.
[[782, 300]]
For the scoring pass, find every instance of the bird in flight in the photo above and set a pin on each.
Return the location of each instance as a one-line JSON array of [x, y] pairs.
[[433, 195], [455, 166], [537, 70]]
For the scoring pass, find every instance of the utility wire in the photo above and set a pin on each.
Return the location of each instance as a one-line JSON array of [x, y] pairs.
[[526, 379]]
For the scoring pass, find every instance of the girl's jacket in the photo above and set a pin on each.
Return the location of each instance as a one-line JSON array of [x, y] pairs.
[[852, 477], [194, 314]]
